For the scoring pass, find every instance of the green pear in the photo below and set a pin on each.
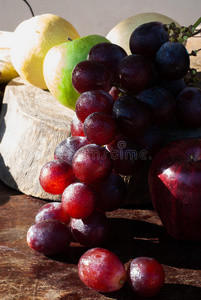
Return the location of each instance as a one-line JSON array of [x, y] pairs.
[[59, 63]]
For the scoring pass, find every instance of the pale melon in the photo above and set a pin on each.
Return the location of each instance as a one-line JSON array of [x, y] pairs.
[[120, 34]]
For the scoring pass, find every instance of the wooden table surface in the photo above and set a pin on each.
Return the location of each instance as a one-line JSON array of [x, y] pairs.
[[137, 231]]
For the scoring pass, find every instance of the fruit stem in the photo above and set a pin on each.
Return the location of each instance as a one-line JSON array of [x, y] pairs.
[[29, 7], [194, 52], [197, 23]]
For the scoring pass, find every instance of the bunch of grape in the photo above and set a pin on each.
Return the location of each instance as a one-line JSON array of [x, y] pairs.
[[124, 100]]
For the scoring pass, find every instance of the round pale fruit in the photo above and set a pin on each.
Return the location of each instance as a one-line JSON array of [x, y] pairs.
[[59, 63], [32, 39], [121, 33]]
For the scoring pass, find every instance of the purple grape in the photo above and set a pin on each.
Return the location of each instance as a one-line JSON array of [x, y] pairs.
[[92, 163], [131, 115], [100, 128], [111, 193], [189, 107], [91, 75], [93, 101], [92, 231], [145, 276], [66, 149], [134, 73], [53, 210], [147, 38], [172, 61], [160, 102], [49, 237], [107, 53], [125, 155]]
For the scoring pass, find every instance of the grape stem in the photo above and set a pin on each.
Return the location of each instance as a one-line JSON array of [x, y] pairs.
[[197, 23], [194, 52]]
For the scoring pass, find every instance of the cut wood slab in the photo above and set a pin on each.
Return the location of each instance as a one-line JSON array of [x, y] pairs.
[[32, 123]]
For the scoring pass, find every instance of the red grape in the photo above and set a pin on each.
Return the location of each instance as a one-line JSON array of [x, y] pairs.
[[134, 73], [52, 210], [131, 115], [55, 176], [111, 192], [79, 200], [92, 231], [91, 75], [93, 101], [100, 128], [49, 237], [101, 270], [92, 163], [66, 149], [147, 38], [76, 127], [145, 276]]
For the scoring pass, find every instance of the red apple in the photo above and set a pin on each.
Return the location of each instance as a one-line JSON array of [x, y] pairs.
[[175, 188]]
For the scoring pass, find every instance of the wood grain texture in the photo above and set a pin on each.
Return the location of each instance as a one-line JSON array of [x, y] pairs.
[[27, 275], [32, 123]]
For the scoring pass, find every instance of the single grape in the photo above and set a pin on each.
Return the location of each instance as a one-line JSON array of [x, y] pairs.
[[172, 61], [174, 86], [146, 276], [93, 101], [131, 115], [66, 149], [189, 107], [134, 73], [92, 163], [53, 210], [49, 237], [147, 38], [160, 102], [107, 53], [101, 270], [100, 128], [125, 155], [151, 142], [76, 127], [93, 231], [111, 193], [91, 75], [79, 200], [55, 176]]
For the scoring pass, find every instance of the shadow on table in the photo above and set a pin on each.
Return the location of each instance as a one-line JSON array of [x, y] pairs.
[[132, 238], [169, 291]]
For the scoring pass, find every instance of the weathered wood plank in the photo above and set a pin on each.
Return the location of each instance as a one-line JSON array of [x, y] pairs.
[[32, 123]]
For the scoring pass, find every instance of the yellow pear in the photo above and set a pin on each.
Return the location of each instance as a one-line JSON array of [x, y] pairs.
[[120, 34], [32, 39]]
